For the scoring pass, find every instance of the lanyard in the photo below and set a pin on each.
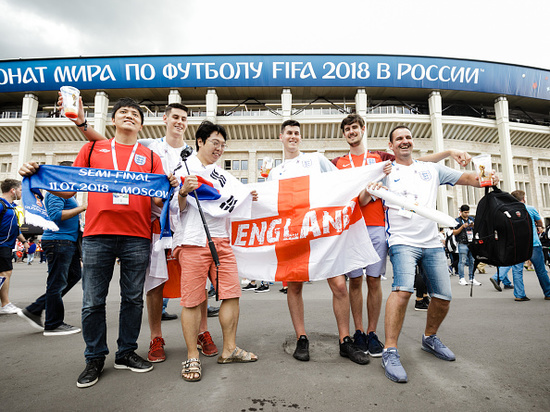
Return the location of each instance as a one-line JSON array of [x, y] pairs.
[[364, 160], [113, 152]]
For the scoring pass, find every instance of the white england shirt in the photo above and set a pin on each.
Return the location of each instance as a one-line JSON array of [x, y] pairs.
[[303, 165], [418, 182]]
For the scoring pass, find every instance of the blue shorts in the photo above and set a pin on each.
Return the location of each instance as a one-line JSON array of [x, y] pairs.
[[378, 238], [434, 269]]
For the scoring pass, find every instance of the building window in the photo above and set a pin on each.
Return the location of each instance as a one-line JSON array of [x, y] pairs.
[[261, 179], [227, 165], [236, 165], [260, 162], [244, 180], [278, 162], [244, 164]]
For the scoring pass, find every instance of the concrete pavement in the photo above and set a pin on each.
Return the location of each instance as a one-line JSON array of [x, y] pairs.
[[502, 349]]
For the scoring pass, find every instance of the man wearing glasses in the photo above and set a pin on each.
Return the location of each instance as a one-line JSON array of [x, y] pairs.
[[193, 252]]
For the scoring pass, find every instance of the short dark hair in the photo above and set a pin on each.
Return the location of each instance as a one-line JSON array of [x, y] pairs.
[[206, 129], [350, 119], [290, 123], [9, 184], [127, 102], [66, 163], [176, 106], [464, 208], [397, 128], [519, 195]]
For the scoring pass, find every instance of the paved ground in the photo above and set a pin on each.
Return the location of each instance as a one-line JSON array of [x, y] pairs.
[[502, 348]]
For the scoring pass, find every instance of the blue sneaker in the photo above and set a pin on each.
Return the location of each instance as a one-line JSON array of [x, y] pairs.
[[360, 340], [375, 347], [392, 366], [433, 345]]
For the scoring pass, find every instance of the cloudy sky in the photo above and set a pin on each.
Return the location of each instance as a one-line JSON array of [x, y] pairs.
[[508, 31]]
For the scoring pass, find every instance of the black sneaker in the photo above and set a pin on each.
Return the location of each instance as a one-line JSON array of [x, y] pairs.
[[262, 288], [421, 305], [90, 375], [375, 346], [360, 340], [250, 286], [34, 320], [495, 284], [134, 362], [349, 350], [302, 349]]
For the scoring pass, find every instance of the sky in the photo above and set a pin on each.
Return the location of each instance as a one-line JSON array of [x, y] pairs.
[[507, 31]]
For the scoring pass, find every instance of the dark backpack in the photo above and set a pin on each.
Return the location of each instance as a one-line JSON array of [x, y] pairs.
[[503, 232]]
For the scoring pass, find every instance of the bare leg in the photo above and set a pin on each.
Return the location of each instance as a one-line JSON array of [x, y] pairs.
[[154, 311], [340, 304], [204, 314], [437, 310], [374, 302], [396, 307], [4, 292], [190, 320], [296, 307], [356, 301], [229, 319]]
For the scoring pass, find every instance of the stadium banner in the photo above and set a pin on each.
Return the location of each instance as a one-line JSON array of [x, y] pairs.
[[91, 73]]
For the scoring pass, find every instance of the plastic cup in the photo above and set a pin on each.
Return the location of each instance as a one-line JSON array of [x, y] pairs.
[[482, 164], [70, 101], [267, 165]]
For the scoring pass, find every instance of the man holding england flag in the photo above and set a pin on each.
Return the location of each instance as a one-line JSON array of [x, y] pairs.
[[297, 164], [413, 240], [353, 130]]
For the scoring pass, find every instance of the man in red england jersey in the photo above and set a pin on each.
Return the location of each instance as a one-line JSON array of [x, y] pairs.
[[117, 226]]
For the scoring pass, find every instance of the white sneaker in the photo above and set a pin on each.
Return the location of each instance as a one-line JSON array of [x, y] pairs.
[[476, 283], [383, 277], [463, 282], [9, 309]]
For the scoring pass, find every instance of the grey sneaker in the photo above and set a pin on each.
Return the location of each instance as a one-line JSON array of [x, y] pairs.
[[433, 345], [34, 320], [63, 329], [392, 365]]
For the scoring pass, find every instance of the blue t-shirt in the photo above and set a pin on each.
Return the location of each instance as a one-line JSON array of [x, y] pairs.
[[68, 229], [534, 217], [9, 229]]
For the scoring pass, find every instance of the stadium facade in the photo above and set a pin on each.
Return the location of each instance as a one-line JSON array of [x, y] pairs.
[[481, 107]]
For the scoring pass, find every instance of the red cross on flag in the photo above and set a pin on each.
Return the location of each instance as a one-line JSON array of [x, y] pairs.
[[306, 228]]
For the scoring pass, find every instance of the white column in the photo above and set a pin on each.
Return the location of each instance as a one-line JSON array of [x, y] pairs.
[[361, 102], [101, 112], [535, 197], [211, 105], [286, 104], [503, 126], [28, 122], [174, 96], [436, 120], [252, 166]]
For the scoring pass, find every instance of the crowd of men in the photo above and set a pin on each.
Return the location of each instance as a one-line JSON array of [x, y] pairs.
[[122, 226]]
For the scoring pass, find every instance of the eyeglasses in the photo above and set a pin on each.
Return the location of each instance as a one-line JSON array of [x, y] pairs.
[[217, 143]]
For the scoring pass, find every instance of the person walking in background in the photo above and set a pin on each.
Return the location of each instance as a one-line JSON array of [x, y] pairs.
[[64, 269], [464, 233]]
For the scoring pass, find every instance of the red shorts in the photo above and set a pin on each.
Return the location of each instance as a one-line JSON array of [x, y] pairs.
[[197, 265]]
